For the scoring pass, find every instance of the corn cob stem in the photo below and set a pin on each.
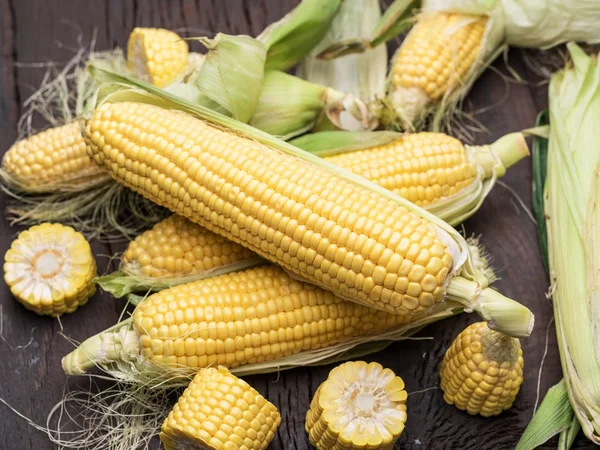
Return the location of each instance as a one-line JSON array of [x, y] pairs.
[[501, 312], [509, 150]]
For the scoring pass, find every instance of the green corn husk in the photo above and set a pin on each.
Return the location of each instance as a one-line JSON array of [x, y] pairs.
[[290, 39], [571, 215], [554, 416], [467, 285], [493, 160], [290, 106], [360, 75], [395, 21], [231, 76]]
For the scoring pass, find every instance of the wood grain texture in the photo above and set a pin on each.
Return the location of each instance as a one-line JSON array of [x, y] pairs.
[[31, 378]]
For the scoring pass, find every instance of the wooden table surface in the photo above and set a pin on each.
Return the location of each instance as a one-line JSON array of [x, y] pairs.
[[31, 378]]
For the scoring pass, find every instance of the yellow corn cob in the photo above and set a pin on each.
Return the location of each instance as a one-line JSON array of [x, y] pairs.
[[348, 239], [256, 315], [50, 269], [359, 406], [482, 371], [53, 159], [177, 247], [435, 58], [156, 55], [219, 411], [421, 167]]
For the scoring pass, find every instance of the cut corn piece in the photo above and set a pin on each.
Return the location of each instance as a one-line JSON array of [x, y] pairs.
[[319, 226], [50, 269], [435, 58], [177, 247], [52, 160], [220, 411], [156, 55], [253, 316], [359, 406], [482, 371]]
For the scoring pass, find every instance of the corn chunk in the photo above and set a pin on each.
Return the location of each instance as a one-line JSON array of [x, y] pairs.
[[50, 269], [359, 406], [219, 411], [482, 371], [156, 55]]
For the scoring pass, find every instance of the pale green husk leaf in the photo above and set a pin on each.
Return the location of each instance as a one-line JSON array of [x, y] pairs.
[[291, 38], [396, 19], [572, 214], [554, 416], [361, 75], [232, 74], [290, 106]]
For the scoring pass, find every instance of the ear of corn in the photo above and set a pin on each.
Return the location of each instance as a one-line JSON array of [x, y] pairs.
[[308, 240], [359, 406], [360, 75], [482, 371], [291, 38], [432, 170], [175, 251], [439, 54], [55, 159], [220, 411], [289, 106], [156, 55], [236, 319], [50, 269]]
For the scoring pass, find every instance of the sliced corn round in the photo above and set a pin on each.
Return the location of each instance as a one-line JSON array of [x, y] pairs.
[[220, 411], [156, 55], [359, 406], [50, 269], [482, 371]]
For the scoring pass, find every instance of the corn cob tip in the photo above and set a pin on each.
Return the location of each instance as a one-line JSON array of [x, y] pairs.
[[219, 411], [360, 405], [118, 343], [482, 371]]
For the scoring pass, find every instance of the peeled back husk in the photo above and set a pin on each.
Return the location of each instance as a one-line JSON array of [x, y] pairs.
[[572, 219], [290, 106], [361, 75]]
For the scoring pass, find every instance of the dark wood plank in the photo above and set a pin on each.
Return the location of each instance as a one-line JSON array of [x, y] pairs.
[[32, 377]]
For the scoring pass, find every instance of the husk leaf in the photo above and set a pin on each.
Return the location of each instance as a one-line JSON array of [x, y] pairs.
[[361, 75], [554, 416], [395, 21], [290, 106], [291, 38], [571, 212], [232, 74]]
